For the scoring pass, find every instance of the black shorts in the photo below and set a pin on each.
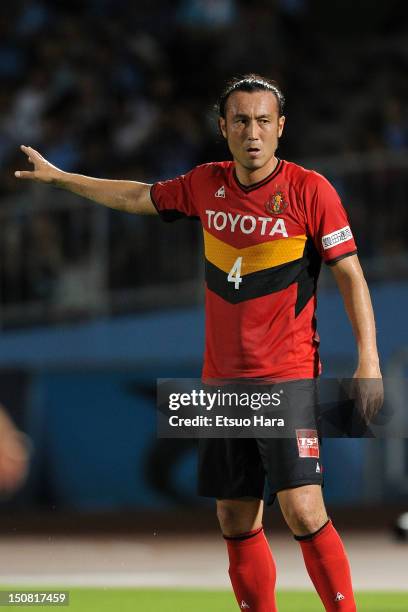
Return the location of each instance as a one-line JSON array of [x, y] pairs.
[[231, 468]]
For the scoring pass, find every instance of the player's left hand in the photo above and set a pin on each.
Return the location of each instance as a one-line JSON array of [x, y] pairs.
[[368, 391]]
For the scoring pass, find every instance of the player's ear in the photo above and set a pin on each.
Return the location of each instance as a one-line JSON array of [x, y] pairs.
[[281, 124], [221, 126]]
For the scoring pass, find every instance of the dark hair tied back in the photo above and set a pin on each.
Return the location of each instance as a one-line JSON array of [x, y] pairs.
[[250, 82]]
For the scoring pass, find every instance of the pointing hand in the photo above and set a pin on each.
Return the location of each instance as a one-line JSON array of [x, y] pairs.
[[43, 171]]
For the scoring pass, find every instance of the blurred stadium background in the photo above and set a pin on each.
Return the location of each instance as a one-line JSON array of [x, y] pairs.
[[95, 305]]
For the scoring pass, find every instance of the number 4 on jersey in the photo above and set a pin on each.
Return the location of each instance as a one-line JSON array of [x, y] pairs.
[[234, 275]]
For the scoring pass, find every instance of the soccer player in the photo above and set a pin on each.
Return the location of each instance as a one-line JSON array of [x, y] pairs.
[[13, 455], [267, 223]]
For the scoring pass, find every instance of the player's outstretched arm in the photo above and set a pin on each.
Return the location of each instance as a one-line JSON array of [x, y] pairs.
[[129, 196]]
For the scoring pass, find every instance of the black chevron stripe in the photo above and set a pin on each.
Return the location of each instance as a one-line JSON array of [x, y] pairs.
[[303, 271], [253, 285]]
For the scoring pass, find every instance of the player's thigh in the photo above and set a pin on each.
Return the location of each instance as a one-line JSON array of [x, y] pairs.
[[293, 460], [285, 468], [230, 469], [238, 516]]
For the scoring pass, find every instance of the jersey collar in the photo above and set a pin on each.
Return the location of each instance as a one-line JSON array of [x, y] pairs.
[[248, 188]]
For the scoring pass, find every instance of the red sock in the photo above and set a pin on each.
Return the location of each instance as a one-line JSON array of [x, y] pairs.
[[252, 571], [328, 567]]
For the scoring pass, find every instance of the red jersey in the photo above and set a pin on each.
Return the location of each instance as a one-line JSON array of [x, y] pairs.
[[264, 244]]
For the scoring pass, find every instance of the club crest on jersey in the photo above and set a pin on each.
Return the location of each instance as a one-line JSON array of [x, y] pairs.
[[276, 204]]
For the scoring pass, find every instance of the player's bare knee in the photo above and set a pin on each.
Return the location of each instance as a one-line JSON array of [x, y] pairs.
[[229, 517], [236, 518], [305, 516], [304, 523], [304, 510]]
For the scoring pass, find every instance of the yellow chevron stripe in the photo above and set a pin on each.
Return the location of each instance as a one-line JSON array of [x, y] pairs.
[[254, 258]]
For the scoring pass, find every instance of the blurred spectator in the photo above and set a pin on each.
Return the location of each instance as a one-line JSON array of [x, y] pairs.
[[396, 126], [13, 455], [24, 119], [45, 256], [207, 13]]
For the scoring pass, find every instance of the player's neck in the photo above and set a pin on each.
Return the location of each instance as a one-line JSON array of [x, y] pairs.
[[250, 177]]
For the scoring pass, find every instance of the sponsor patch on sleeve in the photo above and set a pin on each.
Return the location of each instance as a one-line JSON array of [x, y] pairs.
[[308, 443], [341, 235]]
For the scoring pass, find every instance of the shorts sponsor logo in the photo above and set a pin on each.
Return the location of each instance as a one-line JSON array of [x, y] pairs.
[[308, 443], [318, 470], [339, 597], [244, 605], [331, 240]]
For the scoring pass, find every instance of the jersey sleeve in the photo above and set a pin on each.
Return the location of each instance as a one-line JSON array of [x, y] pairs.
[[327, 221], [173, 199]]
